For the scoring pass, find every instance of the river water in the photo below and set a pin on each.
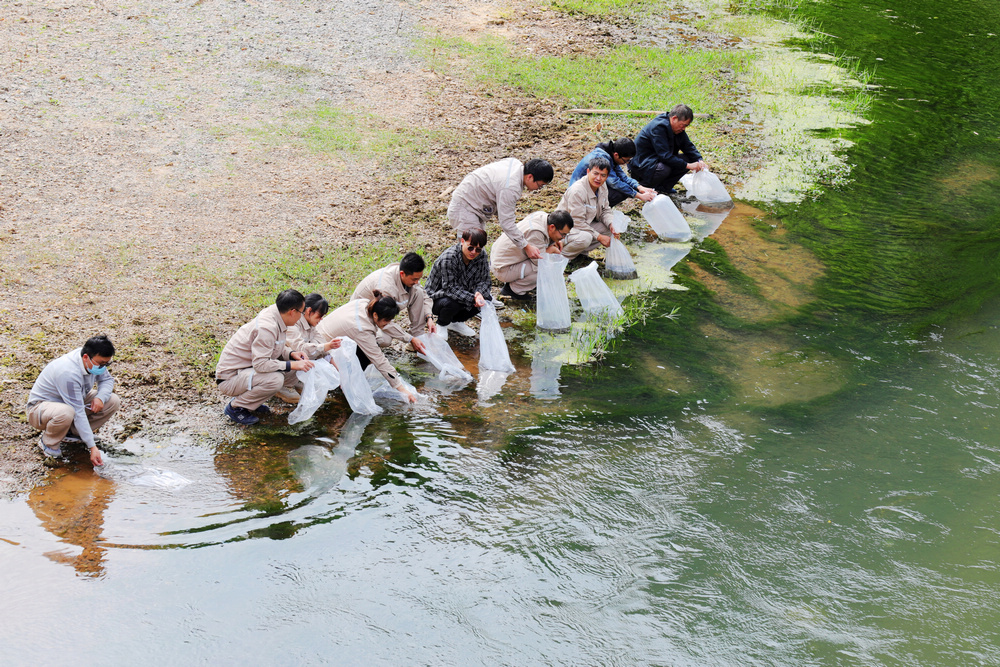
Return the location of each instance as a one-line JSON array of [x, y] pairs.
[[814, 488]]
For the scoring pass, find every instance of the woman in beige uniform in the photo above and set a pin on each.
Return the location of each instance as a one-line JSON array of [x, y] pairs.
[[303, 338], [360, 320]]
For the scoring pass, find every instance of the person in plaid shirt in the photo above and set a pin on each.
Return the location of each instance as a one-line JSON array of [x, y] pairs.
[[459, 283]]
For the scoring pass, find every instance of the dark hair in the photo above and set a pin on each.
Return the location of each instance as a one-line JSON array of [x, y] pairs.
[[288, 300], [384, 307], [98, 346], [682, 112], [317, 304], [475, 237], [561, 219], [540, 170], [411, 263], [599, 163], [625, 147]]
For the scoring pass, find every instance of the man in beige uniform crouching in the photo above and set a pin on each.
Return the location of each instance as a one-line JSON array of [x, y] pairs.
[[512, 266], [587, 201], [401, 283], [257, 360]]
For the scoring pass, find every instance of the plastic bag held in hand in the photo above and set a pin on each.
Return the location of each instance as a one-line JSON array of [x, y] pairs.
[[665, 219], [619, 222], [316, 382], [493, 354], [553, 301], [357, 391], [706, 187], [439, 354], [593, 292]]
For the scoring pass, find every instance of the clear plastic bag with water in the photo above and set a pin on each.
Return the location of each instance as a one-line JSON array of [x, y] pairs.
[[665, 219], [438, 353], [594, 294], [382, 389], [353, 382], [705, 186], [493, 353], [136, 474], [618, 262], [319, 380], [553, 300]]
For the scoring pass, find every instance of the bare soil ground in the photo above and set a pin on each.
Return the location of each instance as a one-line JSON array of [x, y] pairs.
[[128, 154]]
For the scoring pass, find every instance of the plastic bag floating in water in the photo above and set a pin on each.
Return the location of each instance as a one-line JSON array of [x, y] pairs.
[[593, 292], [553, 301], [440, 355], [137, 474], [705, 186], [382, 389], [353, 382], [665, 219], [493, 353], [322, 378]]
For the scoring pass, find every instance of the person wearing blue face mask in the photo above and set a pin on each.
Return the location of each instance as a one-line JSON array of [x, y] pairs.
[[74, 392]]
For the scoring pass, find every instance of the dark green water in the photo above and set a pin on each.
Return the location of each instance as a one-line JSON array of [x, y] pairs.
[[819, 491]]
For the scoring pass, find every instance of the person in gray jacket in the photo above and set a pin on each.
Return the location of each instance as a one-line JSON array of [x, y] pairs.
[[74, 392]]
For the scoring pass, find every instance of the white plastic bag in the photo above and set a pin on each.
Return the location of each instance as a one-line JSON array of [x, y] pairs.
[[705, 186], [493, 354], [619, 222], [665, 219], [382, 389], [135, 473], [553, 301], [593, 292], [316, 382], [707, 219], [490, 383], [618, 262], [439, 354], [352, 379]]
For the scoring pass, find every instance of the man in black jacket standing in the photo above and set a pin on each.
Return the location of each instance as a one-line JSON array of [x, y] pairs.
[[663, 152]]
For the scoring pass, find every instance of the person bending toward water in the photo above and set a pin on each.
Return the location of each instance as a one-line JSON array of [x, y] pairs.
[[587, 202], [302, 337], [258, 361], [459, 283], [620, 186], [361, 320], [663, 152], [73, 393], [512, 266], [401, 282]]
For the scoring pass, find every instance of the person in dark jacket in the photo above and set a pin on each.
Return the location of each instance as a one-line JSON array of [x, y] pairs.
[[663, 152]]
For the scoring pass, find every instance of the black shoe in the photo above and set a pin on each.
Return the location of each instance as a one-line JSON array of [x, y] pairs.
[[241, 415], [262, 410], [508, 292]]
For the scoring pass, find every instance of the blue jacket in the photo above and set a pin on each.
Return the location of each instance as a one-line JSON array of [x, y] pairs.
[[617, 179], [657, 143]]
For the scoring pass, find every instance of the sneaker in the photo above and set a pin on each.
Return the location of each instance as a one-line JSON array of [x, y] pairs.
[[462, 329], [241, 415], [441, 331], [288, 395], [262, 410], [71, 439], [511, 294], [54, 452]]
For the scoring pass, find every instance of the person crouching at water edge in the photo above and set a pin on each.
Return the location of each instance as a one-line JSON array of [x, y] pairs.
[[257, 361], [401, 282], [74, 392], [459, 283], [303, 338], [512, 266], [587, 201], [361, 320]]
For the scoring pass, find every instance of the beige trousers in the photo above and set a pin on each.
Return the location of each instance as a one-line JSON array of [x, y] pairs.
[[250, 388], [578, 242], [522, 277], [55, 419]]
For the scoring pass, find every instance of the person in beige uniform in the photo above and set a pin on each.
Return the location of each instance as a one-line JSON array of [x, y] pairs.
[[494, 190], [360, 320], [512, 266], [257, 361], [303, 338], [587, 201], [401, 282]]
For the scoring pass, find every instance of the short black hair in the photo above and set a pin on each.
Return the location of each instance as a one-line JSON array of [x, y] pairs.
[[599, 162], [560, 219], [98, 346], [412, 263], [475, 237], [317, 304], [288, 300], [540, 170], [682, 112], [625, 147]]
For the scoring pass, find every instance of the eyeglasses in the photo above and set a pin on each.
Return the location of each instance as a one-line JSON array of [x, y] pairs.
[[474, 249]]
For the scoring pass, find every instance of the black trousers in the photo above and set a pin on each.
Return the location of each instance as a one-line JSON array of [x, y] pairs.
[[448, 310], [363, 358], [616, 197], [661, 178]]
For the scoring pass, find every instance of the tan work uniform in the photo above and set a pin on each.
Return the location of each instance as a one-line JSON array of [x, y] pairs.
[[415, 300], [488, 191], [353, 321], [510, 264], [591, 216], [303, 338], [254, 365]]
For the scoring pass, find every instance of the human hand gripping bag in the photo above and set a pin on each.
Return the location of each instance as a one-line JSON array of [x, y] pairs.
[[438, 353], [553, 301], [706, 187], [353, 382], [493, 353], [323, 377], [665, 219], [593, 292]]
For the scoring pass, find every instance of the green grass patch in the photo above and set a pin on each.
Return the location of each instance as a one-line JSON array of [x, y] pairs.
[[604, 8]]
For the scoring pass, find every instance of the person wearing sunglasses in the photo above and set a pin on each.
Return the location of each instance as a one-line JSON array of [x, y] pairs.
[[74, 393], [459, 283]]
